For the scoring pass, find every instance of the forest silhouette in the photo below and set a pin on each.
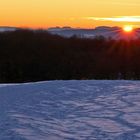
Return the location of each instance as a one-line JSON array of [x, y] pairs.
[[27, 56]]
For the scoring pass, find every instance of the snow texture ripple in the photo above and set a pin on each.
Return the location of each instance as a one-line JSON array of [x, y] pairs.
[[70, 110]]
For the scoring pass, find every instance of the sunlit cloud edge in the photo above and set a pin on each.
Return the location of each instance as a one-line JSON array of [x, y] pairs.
[[133, 19]]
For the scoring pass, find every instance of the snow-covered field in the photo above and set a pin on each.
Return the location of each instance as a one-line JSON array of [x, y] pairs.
[[70, 110]]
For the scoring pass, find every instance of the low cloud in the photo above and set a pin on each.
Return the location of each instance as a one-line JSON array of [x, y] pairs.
[[133, 19]]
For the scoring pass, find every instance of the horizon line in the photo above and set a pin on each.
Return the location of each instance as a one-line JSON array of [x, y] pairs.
[[61, 27]]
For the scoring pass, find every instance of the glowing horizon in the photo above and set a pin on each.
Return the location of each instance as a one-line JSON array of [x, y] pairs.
[[79, 13]]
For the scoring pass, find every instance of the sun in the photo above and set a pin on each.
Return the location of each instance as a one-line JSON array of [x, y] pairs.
[[128, 28]]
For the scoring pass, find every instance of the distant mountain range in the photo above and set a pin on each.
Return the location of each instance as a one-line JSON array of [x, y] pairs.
[[7, 28], [105, 31], [68, 32]]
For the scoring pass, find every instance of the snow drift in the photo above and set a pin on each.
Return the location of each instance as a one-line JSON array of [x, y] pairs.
[[72, 110]]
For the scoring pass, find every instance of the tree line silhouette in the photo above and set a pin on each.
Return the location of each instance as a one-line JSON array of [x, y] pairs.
[[27, 56]]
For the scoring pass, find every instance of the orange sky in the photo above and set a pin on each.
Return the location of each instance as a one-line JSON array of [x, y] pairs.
[[75, 13]]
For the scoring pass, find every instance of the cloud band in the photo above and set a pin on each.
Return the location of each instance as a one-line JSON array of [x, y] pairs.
[[116, 19]]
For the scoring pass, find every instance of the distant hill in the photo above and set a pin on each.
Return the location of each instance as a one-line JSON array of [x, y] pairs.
[[107, 32], [7, 28]]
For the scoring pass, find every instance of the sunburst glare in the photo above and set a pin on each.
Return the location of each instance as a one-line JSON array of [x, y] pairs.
[[128, 28]]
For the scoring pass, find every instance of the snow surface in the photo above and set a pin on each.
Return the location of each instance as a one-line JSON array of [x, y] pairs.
[[70, 110]]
